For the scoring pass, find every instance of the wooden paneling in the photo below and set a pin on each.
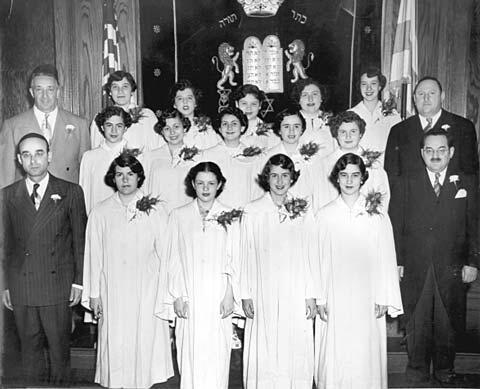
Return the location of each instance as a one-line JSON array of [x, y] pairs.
[[473, 96]]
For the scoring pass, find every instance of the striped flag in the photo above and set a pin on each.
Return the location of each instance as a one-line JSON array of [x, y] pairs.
[[111, 57], [404, 71]]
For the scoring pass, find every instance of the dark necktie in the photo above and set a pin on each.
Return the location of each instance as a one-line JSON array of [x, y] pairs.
[[436, 184], [34, 195], [429, 125]]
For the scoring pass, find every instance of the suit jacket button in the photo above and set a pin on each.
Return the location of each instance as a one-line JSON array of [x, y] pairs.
[[431, 228], [68, 169], [53, 271]]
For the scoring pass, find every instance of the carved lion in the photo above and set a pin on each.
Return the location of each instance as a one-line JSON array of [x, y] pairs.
[[295, 54], [227, 56]]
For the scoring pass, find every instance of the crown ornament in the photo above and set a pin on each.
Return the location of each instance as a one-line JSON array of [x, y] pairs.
[[260, 8]]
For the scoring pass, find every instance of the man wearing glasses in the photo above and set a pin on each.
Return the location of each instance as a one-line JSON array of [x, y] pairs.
[[434, 213]]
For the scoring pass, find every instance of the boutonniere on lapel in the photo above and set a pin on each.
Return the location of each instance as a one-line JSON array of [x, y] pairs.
[[69, 128], [55, 197], [370, 157], [445, 127], [373, 201], [461, 193], [250, 151], [226, 218], [136, 114], [308, 150], [202, 123], [145, 205], [295, 207]]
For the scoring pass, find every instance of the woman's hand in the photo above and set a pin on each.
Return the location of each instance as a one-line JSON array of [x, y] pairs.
[[323, 312], [181, 308], [96, 307], [380, 310], [247, 306], [310, 308]]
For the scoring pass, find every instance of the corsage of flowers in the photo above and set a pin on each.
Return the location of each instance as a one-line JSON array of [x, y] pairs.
[[126, 152], [55, 197], [445, 127], [145, 205], [249, 151], [325, 116], [389, 106], [373, 201], [202, 123], [188, 153], [226, 218], [454, 179], [370, 157], [69, 128], [136, 114], [308, 150], [263, 129], [295, 207]]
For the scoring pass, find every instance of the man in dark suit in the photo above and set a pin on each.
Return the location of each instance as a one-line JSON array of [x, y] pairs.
[[44, 222], [401, 154], [67, 134], [434, 213]]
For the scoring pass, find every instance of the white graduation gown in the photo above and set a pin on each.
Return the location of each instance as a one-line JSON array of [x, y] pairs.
[[358, 270], [165, 176], [200, 256], [239, 171], [318, 131], [265, 141], [93, 169], [122, 266], [276, 273], [201, 139], [377, 127], [140, 135]]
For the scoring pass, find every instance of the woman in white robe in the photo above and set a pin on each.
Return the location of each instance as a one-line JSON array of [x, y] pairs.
[[199, 281], [359, 285], [310, 96], [237, 161], [113, 123], [185, 98], [125, 234], [276, 285], [249, 99], [167, 167], [348, 129], [121, 87], [379, 119]]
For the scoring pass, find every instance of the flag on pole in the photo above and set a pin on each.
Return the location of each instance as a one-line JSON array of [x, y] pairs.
[[404, 71], [111, 56]]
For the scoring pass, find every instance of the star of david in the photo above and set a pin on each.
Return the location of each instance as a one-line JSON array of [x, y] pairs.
[[269, 106]]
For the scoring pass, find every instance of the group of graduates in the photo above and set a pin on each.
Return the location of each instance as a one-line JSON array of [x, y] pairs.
[[196, 224]]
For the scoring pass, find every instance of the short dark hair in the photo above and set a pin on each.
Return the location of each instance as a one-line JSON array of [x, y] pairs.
[[34, 135], [289, 111], [44, 70], [428, 78], [238, 113], [108, 112], [170, 113], [437, 132], [119, 75], [346, 117], [182, 85], [207, 166], [247, 89], [300, 85], [284, 162], [341, 164], [124, 160], [373, 71]]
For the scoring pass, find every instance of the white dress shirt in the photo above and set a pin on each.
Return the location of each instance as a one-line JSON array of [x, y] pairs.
[[424, 122], [40, 190], [40, 116], [441, 179]]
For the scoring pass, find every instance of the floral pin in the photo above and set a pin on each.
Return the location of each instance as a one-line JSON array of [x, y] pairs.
[[295, 208], [373, 201], [263, 129], [146, 204], [202, 123], [370, 157], [136, 113], [188, 153], [308, 150], [389, 106], [445, 127], [69, 128], [250, 151], [454, 179], [55, 197], [226, 218], [126, 152], [325, 116]]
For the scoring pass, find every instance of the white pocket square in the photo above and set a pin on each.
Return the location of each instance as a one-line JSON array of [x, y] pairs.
[[461, 194]]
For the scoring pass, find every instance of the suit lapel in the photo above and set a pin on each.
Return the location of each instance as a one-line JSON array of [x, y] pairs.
[[48, 206], [22, 202], [59, 129], [34, 122]]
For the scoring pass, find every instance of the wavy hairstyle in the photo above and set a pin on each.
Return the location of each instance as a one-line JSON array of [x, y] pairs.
[[341, 164], [107, 113], [289, 111], [204, 167], [346, 117], [282, 161], [237, 112], [125, 159], [171, 114]]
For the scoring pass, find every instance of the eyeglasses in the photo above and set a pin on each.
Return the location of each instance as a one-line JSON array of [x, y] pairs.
[[442, 151]]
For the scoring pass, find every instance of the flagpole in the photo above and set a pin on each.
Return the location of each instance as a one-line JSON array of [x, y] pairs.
[[352, 49], [175, 39]]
